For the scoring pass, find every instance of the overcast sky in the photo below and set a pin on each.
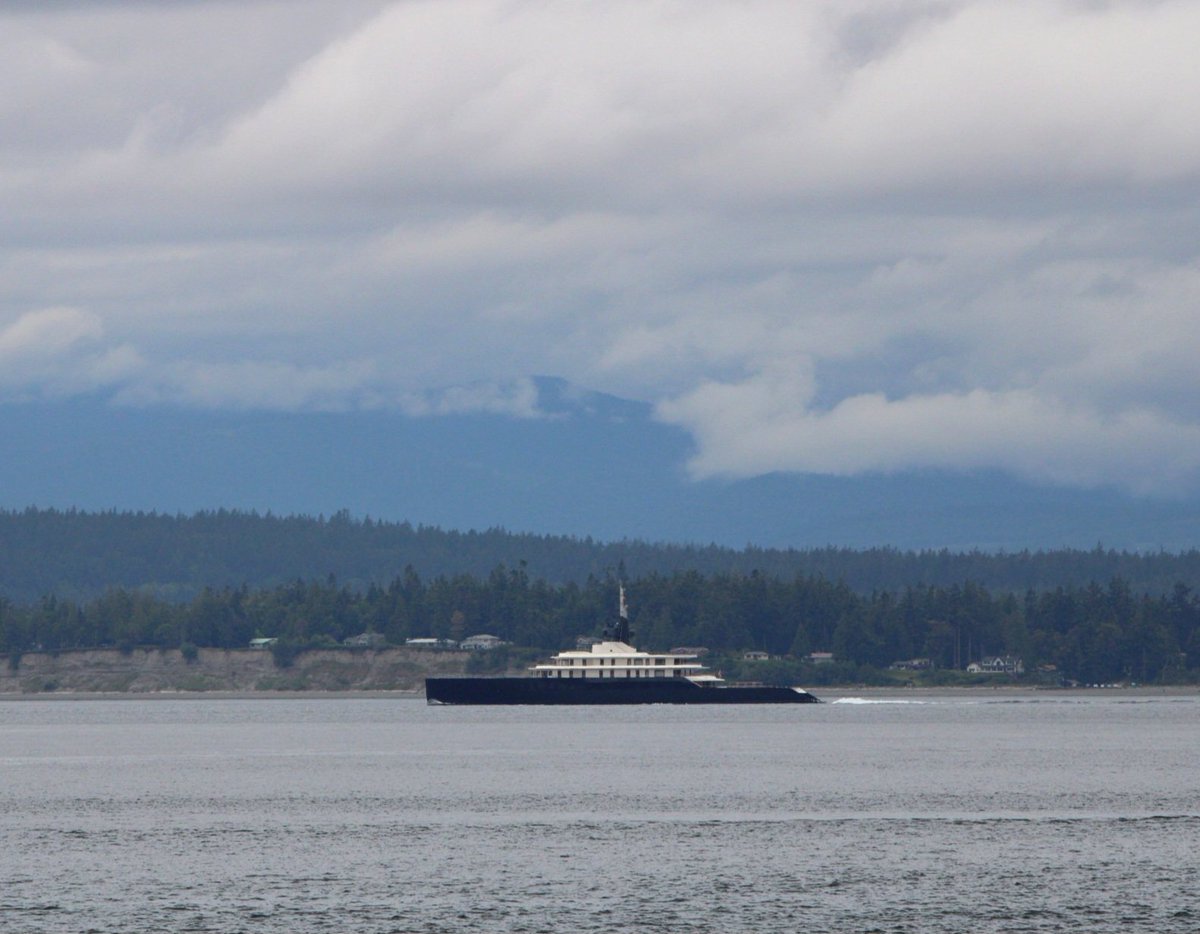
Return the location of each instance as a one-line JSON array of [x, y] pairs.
[[845, 236]]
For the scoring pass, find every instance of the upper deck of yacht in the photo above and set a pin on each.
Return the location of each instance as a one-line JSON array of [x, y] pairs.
[[617, 660]]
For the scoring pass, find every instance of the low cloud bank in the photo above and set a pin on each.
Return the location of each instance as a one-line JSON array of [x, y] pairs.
[[830, 237]]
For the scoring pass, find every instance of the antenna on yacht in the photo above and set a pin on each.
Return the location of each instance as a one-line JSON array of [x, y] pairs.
[[621, 631]]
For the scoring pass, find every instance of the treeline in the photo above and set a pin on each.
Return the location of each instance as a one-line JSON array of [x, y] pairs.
[[1092, 633], [79, 555]]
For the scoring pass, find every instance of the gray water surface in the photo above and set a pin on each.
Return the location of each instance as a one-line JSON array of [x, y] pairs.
[[992, 813]]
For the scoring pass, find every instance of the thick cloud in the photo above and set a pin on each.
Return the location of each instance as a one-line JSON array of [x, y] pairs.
[[832, 237]]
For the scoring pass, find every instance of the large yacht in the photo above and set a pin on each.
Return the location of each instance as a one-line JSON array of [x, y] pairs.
[[612, 672]]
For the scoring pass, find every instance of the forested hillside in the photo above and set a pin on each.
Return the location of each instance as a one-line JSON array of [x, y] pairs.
[[1092, 634], [79, 555], [74, 579]]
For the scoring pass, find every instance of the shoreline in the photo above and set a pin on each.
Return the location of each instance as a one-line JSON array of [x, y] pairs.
[[67, 696], [386, 673], [834, 693]]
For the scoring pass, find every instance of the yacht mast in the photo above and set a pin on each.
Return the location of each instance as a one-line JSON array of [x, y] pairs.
[[622, 632]]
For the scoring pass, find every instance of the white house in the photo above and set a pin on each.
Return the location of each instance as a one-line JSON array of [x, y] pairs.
[[428, 642], [912, 664], [481, 642], [998, 665], [366, 640]]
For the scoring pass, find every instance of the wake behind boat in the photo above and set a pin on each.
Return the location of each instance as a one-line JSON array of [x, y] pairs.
[[611, 672]]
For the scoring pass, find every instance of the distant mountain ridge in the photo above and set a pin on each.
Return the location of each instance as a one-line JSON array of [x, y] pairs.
[[580, 464]]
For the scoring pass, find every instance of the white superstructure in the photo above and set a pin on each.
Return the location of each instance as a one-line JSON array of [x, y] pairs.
[[617, 659]]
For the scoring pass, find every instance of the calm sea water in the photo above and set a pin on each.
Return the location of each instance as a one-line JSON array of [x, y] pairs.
[[1022, 813]]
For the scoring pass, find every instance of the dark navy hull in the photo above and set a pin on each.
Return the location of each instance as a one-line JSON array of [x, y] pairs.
[[602, 691]]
